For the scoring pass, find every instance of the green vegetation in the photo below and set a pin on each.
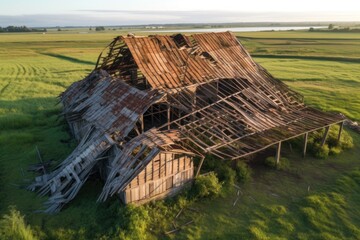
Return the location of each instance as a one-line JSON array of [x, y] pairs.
[[324, 67], [243, 172], [12, 226], [11, 29], [207, 185], [99, 29], [331, 147], [332, 28], [283, 164]]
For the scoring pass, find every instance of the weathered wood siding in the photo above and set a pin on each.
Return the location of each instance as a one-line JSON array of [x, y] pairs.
[[163, 175], [79, 128]]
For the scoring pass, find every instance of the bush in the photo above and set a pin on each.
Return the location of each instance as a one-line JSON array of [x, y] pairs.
[[283, 163], [207, 185], [211, 163], [100, 29], [13, 226], [226, 174], [222, 168], [243, 172], [332, 145], [321, 152], [334, 150], [346, 141], [226, 171], [134, 221]]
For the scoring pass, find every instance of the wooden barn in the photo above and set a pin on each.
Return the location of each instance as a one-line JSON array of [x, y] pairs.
[[163, 175], [154, 103]]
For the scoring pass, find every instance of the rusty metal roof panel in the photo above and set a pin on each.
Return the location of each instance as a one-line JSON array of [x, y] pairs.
[[109, 104], [211, 56]]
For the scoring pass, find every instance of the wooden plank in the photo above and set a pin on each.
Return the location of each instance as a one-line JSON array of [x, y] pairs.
[[325, 135], [199, 167], [278, 152], [305, 143], [340, 131]]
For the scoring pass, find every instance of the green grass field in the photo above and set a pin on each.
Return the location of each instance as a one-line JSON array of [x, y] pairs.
[[324, 67]]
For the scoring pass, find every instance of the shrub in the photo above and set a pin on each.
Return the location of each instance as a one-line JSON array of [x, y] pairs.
[[207, 185], [100, 28], [134, 221], [283, 163], [226, 174], [182, 201], [346, 141], [222, 169], [211, 163], [321, 152], [243, 172], [334, 150], [332, 145], [13, 226]]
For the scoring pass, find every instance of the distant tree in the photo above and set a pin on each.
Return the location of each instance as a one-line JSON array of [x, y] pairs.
[[21, 29], [44, 30], [17, 29], [90, 29], [99, 29], [311, 29], [331, 26], [59, 29]]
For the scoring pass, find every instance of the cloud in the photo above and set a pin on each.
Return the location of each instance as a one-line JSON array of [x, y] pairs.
[[116, 17]]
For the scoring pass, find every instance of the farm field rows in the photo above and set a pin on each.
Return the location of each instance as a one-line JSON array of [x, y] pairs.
[[324, 67]]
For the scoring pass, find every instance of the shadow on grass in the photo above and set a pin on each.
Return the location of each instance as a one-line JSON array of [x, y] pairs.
[[70, 59], [28, 113]]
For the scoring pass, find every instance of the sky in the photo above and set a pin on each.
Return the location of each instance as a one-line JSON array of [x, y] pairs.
[[131, 12]]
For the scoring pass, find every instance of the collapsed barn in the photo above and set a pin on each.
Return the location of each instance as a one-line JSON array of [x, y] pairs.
[[154, 103]]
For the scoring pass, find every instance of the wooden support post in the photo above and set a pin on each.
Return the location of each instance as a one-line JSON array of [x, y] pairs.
[[168, 116], [133, 76], [340, 130], [142, 123], [199, 167], [193, 106], [305, 143], [152, 115], [325, 136], [278, 151]]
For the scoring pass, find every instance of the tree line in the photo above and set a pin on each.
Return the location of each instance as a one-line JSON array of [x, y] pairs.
[[21, 29], [332, 28]]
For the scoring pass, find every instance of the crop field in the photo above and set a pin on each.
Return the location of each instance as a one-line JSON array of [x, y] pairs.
[[313, 199]]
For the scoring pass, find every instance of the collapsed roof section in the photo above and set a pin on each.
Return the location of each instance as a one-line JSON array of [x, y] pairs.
[[106, 103]]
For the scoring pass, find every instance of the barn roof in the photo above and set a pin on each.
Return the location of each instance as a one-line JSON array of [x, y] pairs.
[[177, 61], [106, 103], [253, 109]]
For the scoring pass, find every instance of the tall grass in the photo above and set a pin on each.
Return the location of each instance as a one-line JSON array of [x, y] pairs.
[[13, 227]]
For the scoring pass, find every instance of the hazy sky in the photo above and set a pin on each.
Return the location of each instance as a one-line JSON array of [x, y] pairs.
[[117, 12]]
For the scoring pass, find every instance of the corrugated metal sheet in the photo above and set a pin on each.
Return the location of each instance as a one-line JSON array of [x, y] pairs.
[[107, 103]]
